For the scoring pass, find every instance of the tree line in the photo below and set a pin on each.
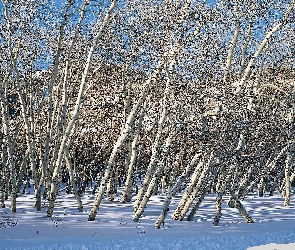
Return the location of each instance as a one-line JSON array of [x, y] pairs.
[[159, 96]]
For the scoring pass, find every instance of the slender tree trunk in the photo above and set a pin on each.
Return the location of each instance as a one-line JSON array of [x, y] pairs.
[[154, 180], [241, 208], [127, 191], [233, 45], [75, 115], [262, 45], [151, 167], [72, 180], [199, 201], [244, 49], [287, 180], [270, 166], [195, 187], [195, 177], [2, 204], [125, 132], [261, 187], [174, 190], [218, 203], [244, 182]]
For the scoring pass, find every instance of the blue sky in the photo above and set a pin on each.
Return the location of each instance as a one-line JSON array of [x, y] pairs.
[[58, 2]]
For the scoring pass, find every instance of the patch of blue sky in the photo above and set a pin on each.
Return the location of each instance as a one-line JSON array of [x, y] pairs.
[[42, 62], [212, 2]]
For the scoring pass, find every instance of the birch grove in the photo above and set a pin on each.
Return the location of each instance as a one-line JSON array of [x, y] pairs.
[[137, 98]]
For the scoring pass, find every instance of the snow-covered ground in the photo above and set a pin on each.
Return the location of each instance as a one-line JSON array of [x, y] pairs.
[[114, 229]]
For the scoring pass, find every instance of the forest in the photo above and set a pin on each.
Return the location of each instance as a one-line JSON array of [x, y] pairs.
[[147, 97]]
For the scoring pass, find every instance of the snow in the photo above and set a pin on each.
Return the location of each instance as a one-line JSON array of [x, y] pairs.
[[114, 228]]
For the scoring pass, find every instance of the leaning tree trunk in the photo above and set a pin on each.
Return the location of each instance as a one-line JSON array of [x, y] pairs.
[[153, 182], [241, 208], [127, 191], [244, 181], [268, 36], [75, 115], [233, 44], [72, 180], [174, 190], [224, 180], [151, 167], [195, 177], [287, 180], [195, 188], [270, 166], [125, 132], [199, 201]]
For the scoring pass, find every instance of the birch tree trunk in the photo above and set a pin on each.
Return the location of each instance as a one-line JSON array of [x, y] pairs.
[[72, 180], [261, 187], [125, 132], [287, 180], [224, 180], [151, 167], [2, 204], [175, 189], [270, 166], [218, 203], [204, 191], [244, 182], [233, 44], [127, 191], [244, 49], [153, 182], [261, 47], [75, 115], [194, 188], [155, 151], [241, 208], [195, 177]]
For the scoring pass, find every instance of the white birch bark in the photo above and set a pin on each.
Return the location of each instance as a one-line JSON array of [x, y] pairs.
[[5, 116], [233, 199], [261, 187], [244, 181], [233, 44], [175, 189], [9, 150], [60, 123], [218, 203], [199, 201], [261, 47], [283, 186], [151, 169], [125, 132], [75, 114], [155, 148], [151, 166], [127, 191], [287, 180], [2, 204], [72, 180], [244, 49], [241, 208], [270, 165], [196, 175], [195, 187], [224, 180], [153, 181]]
